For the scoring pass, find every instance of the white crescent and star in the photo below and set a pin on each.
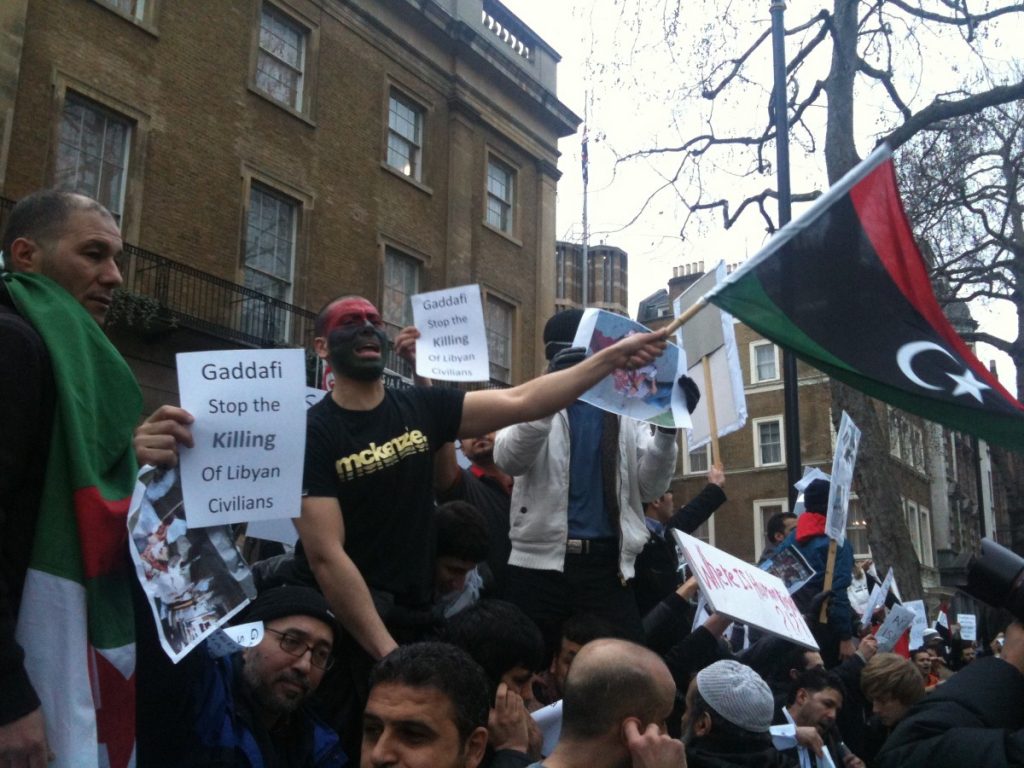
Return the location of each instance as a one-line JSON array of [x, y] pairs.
[[966, 383]]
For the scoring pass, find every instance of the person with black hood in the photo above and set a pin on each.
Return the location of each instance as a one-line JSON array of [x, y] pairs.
[[836, 637], [729, 711]]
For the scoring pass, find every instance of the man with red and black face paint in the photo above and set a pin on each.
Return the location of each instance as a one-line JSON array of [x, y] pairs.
[[365, 535]]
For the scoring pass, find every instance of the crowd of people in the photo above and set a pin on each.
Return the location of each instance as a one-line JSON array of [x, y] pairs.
[[431, 614]]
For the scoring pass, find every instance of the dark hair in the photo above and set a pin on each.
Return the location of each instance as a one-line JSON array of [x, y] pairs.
[[42, 216], [444, 668], [320, 324], [814, 680], [773, 658], [777, 524], [889, 675], [499, 636], [461, 532], [584, 627], [598, 697]]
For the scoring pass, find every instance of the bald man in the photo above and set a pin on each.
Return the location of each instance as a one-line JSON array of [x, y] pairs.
[[617, 697]]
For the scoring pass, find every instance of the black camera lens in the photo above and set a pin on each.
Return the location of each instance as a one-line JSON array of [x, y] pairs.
[[995, 576]]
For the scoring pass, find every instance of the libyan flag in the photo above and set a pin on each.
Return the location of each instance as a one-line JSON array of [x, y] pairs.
[[75, 622], [845, 288]]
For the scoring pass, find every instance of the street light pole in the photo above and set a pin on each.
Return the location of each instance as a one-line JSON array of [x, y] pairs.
[[791, 417]]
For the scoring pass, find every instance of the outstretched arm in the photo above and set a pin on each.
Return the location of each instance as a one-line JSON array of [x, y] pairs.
[[491, 409]]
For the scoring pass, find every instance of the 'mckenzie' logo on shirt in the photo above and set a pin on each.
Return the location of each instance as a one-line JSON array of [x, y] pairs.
[[377, 457]]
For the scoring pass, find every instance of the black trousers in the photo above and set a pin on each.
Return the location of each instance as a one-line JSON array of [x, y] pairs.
[[589, 584]]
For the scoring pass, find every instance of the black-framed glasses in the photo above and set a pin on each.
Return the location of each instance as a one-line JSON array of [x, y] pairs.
[[319, 655]]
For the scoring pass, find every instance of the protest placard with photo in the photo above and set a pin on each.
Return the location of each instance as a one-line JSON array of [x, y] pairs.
[[843, 462], [877, 598], [648, 393], [790, 566], [249, 434], [453, 336], [743, 592], [195, 578]]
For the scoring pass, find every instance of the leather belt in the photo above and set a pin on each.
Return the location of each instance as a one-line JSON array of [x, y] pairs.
[[603, 547]]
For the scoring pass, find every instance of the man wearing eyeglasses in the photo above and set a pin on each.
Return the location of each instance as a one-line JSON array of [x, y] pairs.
[[250, 708]]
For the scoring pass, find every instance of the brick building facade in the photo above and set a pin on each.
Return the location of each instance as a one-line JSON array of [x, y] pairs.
[[286, 151]]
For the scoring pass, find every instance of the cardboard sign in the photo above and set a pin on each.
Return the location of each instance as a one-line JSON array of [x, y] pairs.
[[877, 598], [968, 626], [453, 338], [648, 393], [896, 623], [745, 593], [843, 463], [282, 530], [920, 622], [249, 432]]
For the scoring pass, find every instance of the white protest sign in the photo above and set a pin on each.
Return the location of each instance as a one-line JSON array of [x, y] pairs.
[[896, 623], [453, 338], [877, 598], [843, 463], [968, 626], [920, 622], [745, 593], [232, 639], [282, 530], [249, 434], [549, 721]]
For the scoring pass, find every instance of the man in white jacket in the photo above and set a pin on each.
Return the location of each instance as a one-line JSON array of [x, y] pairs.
[[577, 521]]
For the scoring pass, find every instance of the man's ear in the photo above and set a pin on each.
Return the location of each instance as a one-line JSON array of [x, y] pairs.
[[476, 744], [320, 347], [23, 256], [702, 726]]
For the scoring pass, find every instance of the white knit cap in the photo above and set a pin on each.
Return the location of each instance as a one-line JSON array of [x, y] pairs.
[[737, 693]]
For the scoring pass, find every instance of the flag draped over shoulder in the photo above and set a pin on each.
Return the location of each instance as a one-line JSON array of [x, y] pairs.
[[76, 623], [846, 289]]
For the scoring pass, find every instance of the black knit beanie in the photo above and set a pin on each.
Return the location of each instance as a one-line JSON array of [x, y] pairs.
[[561, 329], [289, 600], [816, 496]]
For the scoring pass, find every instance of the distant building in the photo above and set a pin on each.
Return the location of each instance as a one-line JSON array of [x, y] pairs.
[[263, 156], [607, 275]]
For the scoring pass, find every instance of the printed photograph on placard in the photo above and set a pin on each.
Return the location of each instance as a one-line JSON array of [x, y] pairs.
[[648, 393], [790, 566], [195, 579]]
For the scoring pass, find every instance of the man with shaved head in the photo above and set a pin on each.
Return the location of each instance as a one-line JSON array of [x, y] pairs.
[[617, 697]]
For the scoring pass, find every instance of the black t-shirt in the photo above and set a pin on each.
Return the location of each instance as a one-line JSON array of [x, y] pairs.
[[379, 465]]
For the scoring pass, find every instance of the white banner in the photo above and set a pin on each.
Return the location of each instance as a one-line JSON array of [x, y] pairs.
[[898, 621], [453, 338], [744, 593], [968, 626], [249, 433]]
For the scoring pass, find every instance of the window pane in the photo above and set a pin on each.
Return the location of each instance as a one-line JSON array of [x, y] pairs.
[[281, 61], [499, 339], [499, 195], [765, 357], [92, 152], [699, 460], [769, 438], [401, 280]]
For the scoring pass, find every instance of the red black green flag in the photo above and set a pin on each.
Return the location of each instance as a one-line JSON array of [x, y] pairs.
[[846, 289]]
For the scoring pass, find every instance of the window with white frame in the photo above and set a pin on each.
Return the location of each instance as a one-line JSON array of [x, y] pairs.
[[764, 362], [768, 441], [92, 152], [405, 135], [270, 236], [501, 180], [857, 528], [706, 531], [401, 281], [499, 318], [764, 510], [281, 60], [135, 9], [698, 460], [919, 524]]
